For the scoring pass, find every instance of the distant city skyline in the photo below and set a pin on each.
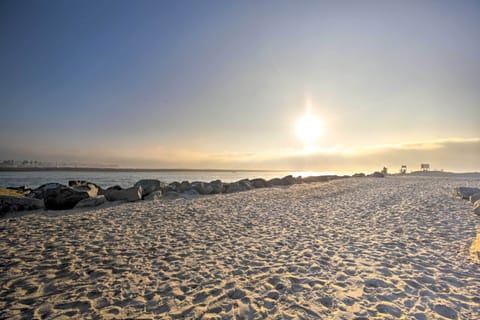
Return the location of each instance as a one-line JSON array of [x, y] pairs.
[[223, 84]]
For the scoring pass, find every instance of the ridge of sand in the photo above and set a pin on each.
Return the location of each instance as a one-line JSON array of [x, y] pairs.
[[366, 248]]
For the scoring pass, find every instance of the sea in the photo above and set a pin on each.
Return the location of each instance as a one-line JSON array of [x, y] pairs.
[[126, 179]]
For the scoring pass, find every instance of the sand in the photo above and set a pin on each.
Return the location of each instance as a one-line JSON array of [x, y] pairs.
[[355, 248]]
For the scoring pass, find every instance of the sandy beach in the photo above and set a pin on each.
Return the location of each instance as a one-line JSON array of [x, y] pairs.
[[361, 248]]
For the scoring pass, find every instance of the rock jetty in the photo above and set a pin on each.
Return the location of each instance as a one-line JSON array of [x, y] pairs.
[[84, 194]]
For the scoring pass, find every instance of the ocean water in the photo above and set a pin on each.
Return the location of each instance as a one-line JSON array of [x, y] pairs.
[[105, 179]]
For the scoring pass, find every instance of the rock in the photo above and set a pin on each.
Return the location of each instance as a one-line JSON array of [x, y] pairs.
[[184, 186], [149, 185], [275, 182], [130, 194], [245, 185], [9, 203], [190, 193], [476, 207], [63, 198], [311, 179], [89, 188], [170, 195], [39, 193], [359, 175], [91, 202], [288, 180], [298, 180], [202, 187], [259, 183], [475, 197], [217, 186], [233, 187], [115, 187], [376, 174], [22, 190], [466, 192], [156, 195], [178, 187]]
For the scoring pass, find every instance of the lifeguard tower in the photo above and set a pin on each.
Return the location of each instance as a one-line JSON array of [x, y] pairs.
[[425, 167], [403, 169]]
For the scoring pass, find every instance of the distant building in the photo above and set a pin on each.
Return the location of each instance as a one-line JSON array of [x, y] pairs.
[[425, 167], [403, 169]]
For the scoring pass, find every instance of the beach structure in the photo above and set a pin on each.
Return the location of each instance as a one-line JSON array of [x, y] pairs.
[[403, 169], [385, 171], [425, 167]]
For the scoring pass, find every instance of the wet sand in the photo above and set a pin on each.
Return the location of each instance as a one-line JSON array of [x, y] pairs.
[[386, 248]]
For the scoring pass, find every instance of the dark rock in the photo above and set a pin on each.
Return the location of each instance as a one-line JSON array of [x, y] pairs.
[[275, 182], [190, 193], [466, 192], [91, 202], [63, 198], [217, 186], [245, 185], [170, 195], [259, 183], [39, 193], [184, 186], [149, 185], [376, 174], [156, 195], [130, 194], [115, 187], [202, 187], [19, 203], [359, 175], [312, 179], [474, 197], [89, 188], [288, 180]]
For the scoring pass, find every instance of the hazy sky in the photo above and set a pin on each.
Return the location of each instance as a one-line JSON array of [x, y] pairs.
[[222, 84]]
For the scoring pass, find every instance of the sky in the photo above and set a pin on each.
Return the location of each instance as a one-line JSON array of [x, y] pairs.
[[223, 84]]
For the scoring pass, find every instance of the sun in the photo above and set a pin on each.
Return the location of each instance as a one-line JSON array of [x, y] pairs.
[[309, 128]]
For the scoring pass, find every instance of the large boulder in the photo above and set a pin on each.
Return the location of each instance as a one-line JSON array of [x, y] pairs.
[[149, 185], [275, 182], [202, 187], [89, 188], [288, 180], [156, 195], [312, 179], [217, 186], [39, 193], [376, 174], [130, 194], [359, 175], [63, 198], [242, 185], [466, 192], [259, 183], [475, 197], [11, 200], [245, 185], [91, 202]]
